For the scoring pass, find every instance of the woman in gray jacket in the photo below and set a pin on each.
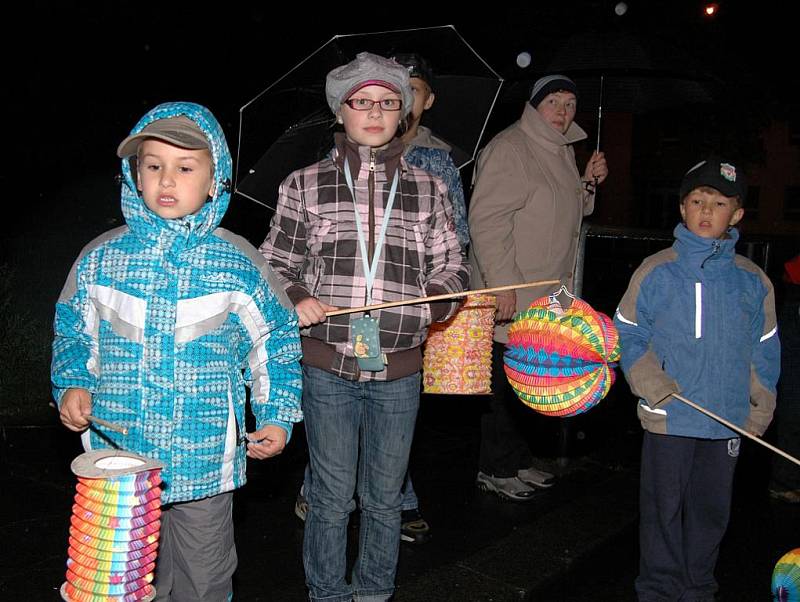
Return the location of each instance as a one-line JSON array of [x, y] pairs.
[[525, 219]]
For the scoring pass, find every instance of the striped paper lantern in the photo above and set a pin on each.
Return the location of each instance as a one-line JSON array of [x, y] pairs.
[[114, 528], [786, 578], [560, 362]]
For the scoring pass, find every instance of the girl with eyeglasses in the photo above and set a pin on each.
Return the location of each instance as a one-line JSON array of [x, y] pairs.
[[362, 227]]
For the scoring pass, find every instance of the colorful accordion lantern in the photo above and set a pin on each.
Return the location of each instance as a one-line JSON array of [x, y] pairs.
[[458, 353], [559, 360], [114, 528], [786, 578]]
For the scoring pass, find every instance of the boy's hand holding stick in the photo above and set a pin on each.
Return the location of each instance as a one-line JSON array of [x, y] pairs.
[[75, 412], [109, 425]]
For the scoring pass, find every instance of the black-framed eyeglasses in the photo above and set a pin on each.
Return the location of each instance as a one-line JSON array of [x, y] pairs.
[[366, 104]]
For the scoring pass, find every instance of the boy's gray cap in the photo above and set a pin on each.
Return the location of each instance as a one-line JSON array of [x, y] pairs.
[[180, 131], [549, 84], [365, 70], [719, 175]]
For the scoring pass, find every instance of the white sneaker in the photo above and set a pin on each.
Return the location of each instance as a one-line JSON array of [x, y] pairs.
[[301, 507], [536, 478], [510, 488]]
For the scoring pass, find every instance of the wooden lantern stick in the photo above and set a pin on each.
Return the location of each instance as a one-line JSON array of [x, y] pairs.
[[95, 420], [109, 425], [735, 428], [483, 291]]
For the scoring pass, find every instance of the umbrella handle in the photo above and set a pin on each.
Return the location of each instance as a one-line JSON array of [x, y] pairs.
[[735, 428], [508, 287], [599, 119]]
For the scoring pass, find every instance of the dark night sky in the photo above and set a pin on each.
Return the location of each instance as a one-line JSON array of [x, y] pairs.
[[87, 71], [109, 61], [82, 73]]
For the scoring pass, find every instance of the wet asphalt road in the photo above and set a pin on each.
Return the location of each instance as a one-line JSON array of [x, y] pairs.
[[574, 542]]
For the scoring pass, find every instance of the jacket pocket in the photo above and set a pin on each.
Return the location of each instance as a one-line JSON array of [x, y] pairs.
[[318, 232]]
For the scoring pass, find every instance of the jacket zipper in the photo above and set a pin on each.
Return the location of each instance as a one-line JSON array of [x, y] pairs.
[[371, 221], [715, 249], [145, 353], [698, 294]]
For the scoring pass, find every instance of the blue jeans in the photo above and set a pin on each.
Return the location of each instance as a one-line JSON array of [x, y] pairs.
[[359, 435], [410, 500]]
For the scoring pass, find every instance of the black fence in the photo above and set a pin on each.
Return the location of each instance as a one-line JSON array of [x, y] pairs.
[[608, 256]]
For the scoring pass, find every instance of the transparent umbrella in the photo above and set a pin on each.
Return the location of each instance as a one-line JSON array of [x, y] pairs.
[[639, 76], [289, 125], [620, 72]]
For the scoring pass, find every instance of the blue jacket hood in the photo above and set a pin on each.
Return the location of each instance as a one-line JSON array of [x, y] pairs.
[[150, 226]]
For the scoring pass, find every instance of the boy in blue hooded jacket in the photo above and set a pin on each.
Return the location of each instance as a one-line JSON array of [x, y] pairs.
[[700, 320], [161, 325]]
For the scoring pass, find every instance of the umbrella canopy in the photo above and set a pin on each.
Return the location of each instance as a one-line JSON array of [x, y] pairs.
[[638, 77], [289, 124], [559, 361]]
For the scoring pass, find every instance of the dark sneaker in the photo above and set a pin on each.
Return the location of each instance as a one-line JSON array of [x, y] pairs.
[[510, 488], [413, 528], [536, 478]]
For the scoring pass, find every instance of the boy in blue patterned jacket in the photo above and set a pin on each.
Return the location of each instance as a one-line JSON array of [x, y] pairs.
[[161, 325], [700, 320]]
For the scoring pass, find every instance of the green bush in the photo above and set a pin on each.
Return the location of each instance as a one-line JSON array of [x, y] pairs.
[[24, 361]]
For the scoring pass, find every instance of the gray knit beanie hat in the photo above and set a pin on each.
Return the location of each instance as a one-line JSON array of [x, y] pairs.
[[368, 69], [549, 84]]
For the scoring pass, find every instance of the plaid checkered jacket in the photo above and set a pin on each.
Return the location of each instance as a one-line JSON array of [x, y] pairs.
[[313, 248]]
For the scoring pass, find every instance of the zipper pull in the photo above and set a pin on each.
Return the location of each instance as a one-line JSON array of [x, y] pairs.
[[372, 160], [715, 247]]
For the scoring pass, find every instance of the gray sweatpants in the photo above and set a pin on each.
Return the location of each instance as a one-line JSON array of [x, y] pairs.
[[196, 553]]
